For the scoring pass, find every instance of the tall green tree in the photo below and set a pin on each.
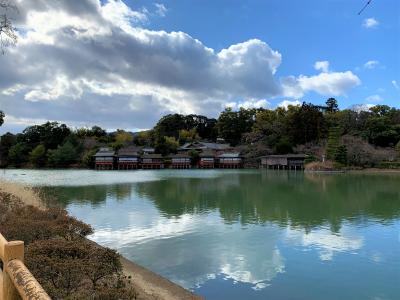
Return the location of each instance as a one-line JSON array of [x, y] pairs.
[[332, 105], [63, 156], [37, 156]]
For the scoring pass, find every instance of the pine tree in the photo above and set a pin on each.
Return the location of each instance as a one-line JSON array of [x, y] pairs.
[[333, 142]]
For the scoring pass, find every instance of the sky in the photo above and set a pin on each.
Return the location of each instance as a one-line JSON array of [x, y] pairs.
[[124, 64]]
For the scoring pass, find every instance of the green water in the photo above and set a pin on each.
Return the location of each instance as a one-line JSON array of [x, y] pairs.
[[244, 234]]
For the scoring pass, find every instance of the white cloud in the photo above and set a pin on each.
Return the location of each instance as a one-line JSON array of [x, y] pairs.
[[327, 84], [91, 61], [250, 103], [395, 84], [286, 103], [326, 243], [161, 9], [370, 23], [371, 64], [374, 98], [322, 66], [361, 107]]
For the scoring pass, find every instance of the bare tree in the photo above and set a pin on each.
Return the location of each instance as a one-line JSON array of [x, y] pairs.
[[8, 36]]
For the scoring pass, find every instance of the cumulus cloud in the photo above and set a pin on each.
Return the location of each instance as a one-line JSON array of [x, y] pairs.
[[250, 103], [93, 62], [285, 103], [322, 66], [371, 64], [325, 83], [370, 23]]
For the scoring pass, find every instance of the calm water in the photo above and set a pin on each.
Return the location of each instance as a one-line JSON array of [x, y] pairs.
[[244, 234]]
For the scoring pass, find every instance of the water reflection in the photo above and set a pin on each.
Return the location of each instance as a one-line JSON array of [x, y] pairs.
[[263, 231], [286, 198]]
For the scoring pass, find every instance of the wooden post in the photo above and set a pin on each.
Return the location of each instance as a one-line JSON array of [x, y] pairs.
[[12, 250]]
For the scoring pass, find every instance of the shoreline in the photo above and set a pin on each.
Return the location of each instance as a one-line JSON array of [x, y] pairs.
[[147, 284]]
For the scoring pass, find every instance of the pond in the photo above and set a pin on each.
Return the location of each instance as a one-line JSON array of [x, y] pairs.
[[243, 234]]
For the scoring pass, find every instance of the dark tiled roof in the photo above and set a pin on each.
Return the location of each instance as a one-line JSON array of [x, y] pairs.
[[286, 156], [152, 156], [204, 145], [207, 153], [229, 155], [129, 151], [105, 152], [180, 155]]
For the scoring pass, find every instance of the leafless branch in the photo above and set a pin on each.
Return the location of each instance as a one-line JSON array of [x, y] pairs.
[[8, 37], [365, 6]]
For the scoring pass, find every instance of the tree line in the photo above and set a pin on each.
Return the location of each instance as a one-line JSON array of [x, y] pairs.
[[274, 131]]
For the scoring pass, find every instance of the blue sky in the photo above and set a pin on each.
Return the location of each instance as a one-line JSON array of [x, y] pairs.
[[303, 32], [124, 64]]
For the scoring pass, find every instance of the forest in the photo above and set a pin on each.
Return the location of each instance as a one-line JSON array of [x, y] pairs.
[[365, 138]]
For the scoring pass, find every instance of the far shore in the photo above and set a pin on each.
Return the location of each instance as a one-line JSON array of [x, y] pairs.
[[147, 284]]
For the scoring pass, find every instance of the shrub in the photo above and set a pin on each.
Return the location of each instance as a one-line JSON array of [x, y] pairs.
[[71, 268], [28, 223]]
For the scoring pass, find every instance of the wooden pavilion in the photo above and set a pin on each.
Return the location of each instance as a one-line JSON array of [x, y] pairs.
[[128, 158], [181, 161], [104, 159], [285, 161], [152, 161], [207, 160], [230, 160]]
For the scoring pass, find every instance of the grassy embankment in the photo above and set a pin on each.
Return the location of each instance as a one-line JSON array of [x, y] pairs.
[[68, 265]]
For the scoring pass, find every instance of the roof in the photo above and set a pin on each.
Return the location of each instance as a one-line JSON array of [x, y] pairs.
[[229, 155], [129, 151], [180, 155], [207, 153], [148, 149], [105, 152], [286, 156], [152, 156], [204, 145]]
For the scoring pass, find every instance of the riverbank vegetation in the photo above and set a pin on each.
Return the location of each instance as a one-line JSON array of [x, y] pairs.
[[358, 138], [67, 265]]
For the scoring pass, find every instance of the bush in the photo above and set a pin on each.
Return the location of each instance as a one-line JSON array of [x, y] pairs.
[[28, 223], [76, 268]]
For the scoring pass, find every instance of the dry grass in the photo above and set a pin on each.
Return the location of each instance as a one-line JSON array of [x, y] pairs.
[[23, 193]]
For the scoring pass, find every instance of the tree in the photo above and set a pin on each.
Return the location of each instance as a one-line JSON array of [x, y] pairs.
[[332, 105], [307, 124], [283, 146], [37, 156], [341, 155], [398, 149], [122, 137], [17, 154], [1, 118], [166, 145], [7, 32], [233, 124], [63, 156], [333, 142]]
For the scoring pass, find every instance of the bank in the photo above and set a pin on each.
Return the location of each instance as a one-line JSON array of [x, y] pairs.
[[146, 284]]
